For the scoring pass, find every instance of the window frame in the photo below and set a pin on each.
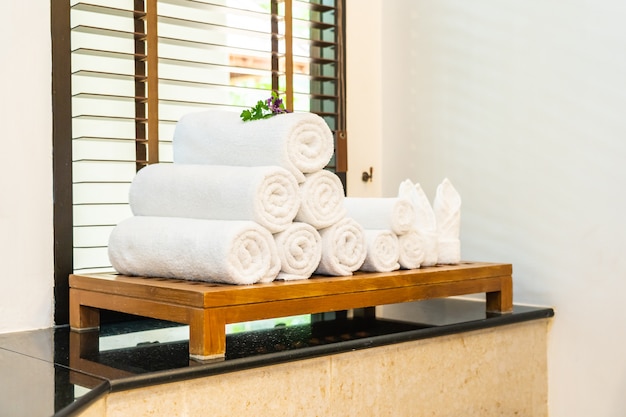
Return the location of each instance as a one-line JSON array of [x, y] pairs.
[[62, 143]]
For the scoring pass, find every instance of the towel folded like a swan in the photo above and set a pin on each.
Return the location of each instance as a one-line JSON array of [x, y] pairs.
[[447, 208], [383, 251], [425, 221], [299, 250], [300, 142], [411, 250], [395, 214], [343, 248], [227, 251], [321, 200], [267, 195]]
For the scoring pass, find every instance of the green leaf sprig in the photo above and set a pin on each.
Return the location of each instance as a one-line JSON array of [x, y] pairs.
[[265, 108]]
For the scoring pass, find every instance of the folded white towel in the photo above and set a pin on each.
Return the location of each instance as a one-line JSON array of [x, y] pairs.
[[321, 200], [299, 142], [395, 214], [267, 195], [228, 251], [447, 208], [343, 248], [383, 251], [425, 221], [411, 250], [300, 250], [431, 247]]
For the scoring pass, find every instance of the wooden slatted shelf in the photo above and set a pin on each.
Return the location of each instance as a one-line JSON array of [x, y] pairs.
[[208, 307]]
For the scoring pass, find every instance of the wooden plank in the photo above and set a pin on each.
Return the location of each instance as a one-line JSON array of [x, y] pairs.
[[132, 305], [158, 289], [343, 301], [200, 294]]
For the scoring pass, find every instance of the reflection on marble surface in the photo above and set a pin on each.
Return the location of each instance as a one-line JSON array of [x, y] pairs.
[[31, 386], [66, 369]]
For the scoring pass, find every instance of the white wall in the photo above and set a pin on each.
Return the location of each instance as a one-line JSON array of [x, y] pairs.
[[26, 239], [522, 104]]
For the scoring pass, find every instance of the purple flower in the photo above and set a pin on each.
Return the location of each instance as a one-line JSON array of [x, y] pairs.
[[264, 109]]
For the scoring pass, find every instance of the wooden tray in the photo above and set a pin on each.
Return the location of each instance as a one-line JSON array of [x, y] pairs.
[[208, 307]]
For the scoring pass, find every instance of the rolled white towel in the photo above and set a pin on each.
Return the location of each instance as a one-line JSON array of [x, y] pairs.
[[321, 200], [227, 251], [299, 250], [447, 208], [300, 142], [395, 214], [267, 195], [343, 248], [383, 251], [411, 250], [425, 221]]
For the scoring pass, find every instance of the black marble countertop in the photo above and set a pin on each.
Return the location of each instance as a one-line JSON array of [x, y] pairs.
[[58, 372]]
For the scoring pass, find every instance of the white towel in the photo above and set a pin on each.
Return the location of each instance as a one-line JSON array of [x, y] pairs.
[[300, 142], [321, 200], [300, 250], [343, 248], [227, 251], [395, 214], [411, 250], [425, 223], [447, 208], [383, 251], [267, 195]]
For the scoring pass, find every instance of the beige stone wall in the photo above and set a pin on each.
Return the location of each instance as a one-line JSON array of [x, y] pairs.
[[493, 372]]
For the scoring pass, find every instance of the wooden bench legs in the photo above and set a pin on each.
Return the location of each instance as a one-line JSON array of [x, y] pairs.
[[207, 334], [83, 318], [501, 301]]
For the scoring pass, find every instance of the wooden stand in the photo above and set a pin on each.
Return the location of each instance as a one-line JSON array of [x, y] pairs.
[[208, 307]]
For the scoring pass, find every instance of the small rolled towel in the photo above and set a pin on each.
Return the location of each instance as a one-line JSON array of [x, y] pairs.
[[447, 208], [343, 248], [411, 250], [321, 200], [299, 250], [226, 251], [395, 214], [425, 221], [267, 195], [300, 142], [383, 251]]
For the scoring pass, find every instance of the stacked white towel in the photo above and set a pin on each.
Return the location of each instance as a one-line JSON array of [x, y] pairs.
[[300, 142], [395, 214], [249, 202], [383, 251], [343, 248], [425, 221], [228, 175], [233, 252], [267, 195], [299, 250], [447, 208], [411, 250], [321, 200]]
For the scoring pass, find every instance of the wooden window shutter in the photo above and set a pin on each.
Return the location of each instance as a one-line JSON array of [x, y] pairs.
[[136, 66]]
